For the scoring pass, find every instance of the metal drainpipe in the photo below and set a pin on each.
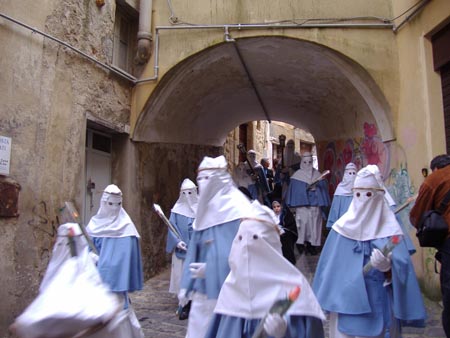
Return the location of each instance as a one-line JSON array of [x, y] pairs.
[[144, 34]]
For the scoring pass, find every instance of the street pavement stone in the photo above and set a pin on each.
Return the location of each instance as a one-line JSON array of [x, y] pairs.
[[156, 308]]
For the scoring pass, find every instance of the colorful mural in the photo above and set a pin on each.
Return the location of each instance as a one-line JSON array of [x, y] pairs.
[[369, 149]]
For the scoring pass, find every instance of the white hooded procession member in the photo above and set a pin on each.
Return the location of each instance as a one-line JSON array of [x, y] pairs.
[[259, 276], [379, 300], [309, 200], [72, 300], [117, 242], [250, 175], [181, 217], [220, 208], [343, 195]]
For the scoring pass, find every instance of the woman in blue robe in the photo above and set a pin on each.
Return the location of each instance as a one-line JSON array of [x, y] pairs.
[[367, 304]]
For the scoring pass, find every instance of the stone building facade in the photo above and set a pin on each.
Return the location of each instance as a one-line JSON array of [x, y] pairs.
[[137, 92]]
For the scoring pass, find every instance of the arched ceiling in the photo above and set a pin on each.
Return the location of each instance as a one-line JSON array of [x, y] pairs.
[[277, 78]]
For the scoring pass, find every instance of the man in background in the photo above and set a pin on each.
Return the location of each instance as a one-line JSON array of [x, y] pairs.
[[431, 193]]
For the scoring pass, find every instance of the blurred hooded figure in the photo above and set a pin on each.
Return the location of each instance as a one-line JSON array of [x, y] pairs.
[[117, 242], [371, 304], [181, 217], [72, 298], [259, 276], [291, 163], [308, 203], [343, 195], [220, 208], [256, 184]]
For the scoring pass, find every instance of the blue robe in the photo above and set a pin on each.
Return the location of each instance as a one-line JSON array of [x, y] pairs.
[[339, 206], [298, 196], [362, 303], [120, 263], [211, 246], [184, 226], [222, 326]]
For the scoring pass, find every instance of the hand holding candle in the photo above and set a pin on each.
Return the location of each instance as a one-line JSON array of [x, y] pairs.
[[386, 250], [279, 307]]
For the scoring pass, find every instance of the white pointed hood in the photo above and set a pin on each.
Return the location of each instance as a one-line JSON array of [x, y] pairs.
[[376, 171], [306, 173], [260, 274], [368, 216], [187, 202], [111, 219], [219, 199], [345, 187]]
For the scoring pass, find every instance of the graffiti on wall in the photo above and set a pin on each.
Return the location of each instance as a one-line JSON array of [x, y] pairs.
[[368, 149]]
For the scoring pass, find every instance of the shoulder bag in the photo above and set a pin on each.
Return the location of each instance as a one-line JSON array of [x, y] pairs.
[[432, 229]]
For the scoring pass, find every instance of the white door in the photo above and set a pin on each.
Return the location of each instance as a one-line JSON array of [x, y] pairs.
[[98, 171]]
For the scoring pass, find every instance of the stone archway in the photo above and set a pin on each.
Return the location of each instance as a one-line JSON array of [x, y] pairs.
[[302, 83], [200, 100]]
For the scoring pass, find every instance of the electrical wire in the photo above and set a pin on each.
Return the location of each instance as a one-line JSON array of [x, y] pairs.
[[173, 19]]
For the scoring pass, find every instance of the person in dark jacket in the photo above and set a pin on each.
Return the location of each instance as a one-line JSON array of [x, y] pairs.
[[288, 230]]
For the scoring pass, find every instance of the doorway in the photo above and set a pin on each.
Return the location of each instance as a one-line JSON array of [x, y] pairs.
[[98, 170]]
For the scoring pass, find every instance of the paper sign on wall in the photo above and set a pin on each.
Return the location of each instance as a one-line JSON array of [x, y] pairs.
[[5, 154]]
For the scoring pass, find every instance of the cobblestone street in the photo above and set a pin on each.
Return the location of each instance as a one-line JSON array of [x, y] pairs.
[[155, 308]]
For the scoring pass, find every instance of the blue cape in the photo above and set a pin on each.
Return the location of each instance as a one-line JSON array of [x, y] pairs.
[[361, 301], [184, 226], [120, 263], [222, 326], [298, 196], [211, 246]]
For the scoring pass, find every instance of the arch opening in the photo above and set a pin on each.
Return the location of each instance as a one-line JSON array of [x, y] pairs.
[[299, 82]]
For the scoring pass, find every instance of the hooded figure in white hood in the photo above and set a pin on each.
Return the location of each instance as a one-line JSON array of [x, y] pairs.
[[117, 242], [259, 276], [220, 209], [343, 195], [182, 217], [373, 303], [309, 203]]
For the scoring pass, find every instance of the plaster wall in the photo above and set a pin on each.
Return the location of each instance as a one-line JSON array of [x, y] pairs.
[[420, 119], [373, 49], [47, 92], [163, 167]]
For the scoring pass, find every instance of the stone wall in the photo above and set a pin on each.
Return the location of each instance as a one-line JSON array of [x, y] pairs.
[[47, 92]]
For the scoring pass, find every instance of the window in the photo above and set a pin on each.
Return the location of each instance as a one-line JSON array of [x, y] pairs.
[[125, 36]]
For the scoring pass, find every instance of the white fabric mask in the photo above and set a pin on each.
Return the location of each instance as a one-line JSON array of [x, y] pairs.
[[111, 219], [219, 199], [260, 274], [344, 188], [376, 171], [187, 202], [306, 173], [368, 217]]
